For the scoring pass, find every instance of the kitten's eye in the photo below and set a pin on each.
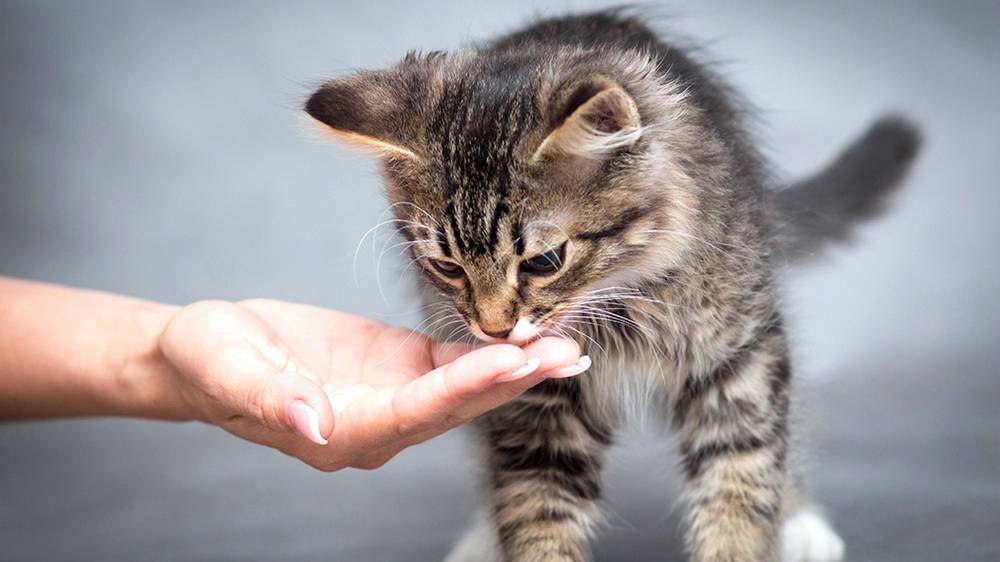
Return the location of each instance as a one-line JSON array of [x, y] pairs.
[[449, 269], [544, 264]]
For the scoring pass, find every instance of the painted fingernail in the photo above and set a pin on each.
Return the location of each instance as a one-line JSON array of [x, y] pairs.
[[582, 364], [522, 372], [306, 422]]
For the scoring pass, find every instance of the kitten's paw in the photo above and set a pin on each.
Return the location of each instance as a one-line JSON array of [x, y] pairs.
[[807, 537]]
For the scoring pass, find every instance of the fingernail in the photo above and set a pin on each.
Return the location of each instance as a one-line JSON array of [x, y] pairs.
[[306, 422], [522, 372], [582, 364]]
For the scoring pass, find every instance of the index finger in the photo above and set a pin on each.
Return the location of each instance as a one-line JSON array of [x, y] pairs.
[[390, 415], [479, 380], [547, 347], [551, 354], [434, 395]]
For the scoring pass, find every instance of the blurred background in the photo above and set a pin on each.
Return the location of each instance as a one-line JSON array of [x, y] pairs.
[[157, 149]]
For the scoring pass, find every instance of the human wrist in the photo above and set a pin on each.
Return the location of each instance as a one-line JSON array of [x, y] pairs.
[[146, 384], [70, 352]]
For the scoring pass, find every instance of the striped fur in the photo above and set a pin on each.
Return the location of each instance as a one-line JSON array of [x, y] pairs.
[[587, 143], [546, 454]]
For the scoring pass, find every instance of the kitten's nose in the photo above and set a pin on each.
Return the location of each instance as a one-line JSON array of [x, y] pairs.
[[500, 335]]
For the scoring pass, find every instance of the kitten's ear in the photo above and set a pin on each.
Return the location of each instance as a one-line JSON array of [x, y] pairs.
[[594, 119], [377, 110]]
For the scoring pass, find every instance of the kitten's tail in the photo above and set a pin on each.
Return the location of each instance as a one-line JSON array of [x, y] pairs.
[[825, 208]]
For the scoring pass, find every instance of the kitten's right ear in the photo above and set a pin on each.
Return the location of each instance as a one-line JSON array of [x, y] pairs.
[[596, 117], [377, 110]]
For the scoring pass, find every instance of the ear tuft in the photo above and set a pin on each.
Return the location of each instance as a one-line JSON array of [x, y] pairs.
[[598, 118]]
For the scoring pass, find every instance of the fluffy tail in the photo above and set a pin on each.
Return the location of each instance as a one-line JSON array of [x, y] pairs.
[[825, 208]]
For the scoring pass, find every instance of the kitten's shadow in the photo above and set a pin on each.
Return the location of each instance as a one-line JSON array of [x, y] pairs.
[[653, 533], [638, 549]]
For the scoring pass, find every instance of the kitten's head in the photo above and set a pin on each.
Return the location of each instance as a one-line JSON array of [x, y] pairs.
[[528, 185]]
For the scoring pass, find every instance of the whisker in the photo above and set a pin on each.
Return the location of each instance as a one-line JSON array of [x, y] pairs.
[[415, 331], [417, 207], [370, 231]]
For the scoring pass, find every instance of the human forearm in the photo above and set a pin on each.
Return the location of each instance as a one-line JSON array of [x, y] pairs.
[[271, 372], [69, 352]]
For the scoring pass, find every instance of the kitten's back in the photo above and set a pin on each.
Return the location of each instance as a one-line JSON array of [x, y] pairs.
[[616, 29], [804, 217]]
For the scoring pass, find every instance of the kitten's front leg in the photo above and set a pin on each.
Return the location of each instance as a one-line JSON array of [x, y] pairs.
[[733, 427], [546, 452]]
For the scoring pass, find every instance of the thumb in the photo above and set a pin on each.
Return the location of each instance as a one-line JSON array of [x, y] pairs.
[[232, 365], [291, 402]]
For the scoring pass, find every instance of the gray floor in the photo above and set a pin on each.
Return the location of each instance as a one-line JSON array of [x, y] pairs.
[[156, 150]]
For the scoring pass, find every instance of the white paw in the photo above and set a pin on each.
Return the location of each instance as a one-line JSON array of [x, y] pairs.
[[807, 537]]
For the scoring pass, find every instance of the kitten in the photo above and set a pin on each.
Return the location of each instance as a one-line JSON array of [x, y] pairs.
[[583, 177]]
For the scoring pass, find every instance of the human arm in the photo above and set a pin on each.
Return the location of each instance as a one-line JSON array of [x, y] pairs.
[[267, 371]]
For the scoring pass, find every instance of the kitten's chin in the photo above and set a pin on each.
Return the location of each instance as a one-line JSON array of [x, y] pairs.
[[523, 332]]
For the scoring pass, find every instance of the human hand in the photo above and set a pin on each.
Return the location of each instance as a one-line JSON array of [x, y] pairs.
[[337, 390]]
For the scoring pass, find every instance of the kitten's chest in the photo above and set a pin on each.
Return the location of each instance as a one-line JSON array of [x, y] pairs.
[[630, 388], [642, 367]]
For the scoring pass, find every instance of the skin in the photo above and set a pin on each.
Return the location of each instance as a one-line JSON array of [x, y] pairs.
[[259, 369]]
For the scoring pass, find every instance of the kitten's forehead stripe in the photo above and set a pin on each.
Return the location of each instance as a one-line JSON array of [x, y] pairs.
[[517, 234], [498, 213], [453, 224], [480, 120], [443, 243]]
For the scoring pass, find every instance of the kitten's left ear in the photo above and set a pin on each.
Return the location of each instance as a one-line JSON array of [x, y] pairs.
[[377, 110], [593, 119]]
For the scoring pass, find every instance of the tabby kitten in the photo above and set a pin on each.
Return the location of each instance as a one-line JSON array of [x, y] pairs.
[[582, 177]]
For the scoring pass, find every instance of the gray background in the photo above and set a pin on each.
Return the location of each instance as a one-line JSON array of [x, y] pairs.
[[156, 150]]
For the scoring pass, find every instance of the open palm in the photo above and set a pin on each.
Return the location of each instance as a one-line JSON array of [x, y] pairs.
[[273, 372]]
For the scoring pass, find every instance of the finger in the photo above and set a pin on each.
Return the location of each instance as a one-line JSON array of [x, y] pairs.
[[558, 358], [443, 353], [551, 350], [475, 382], [467, 386], [553, 353], [392, 414], [440, 391], [470, 400], [291, 401], [239, 368]]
